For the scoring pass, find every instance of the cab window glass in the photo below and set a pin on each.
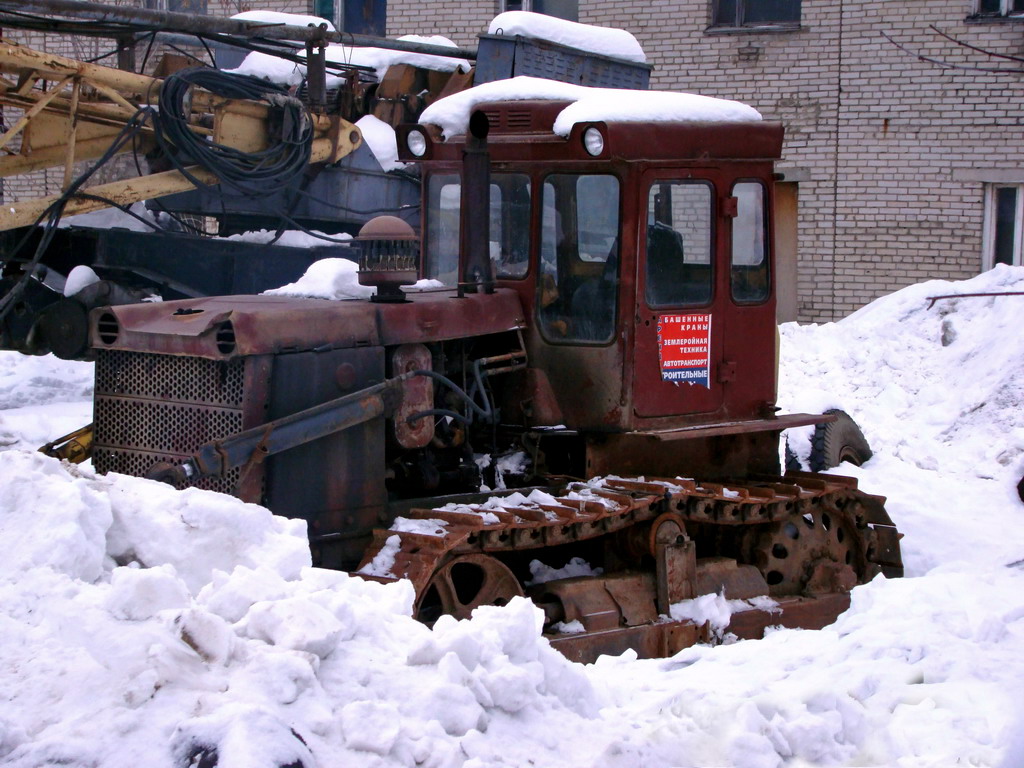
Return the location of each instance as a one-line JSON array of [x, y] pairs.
[[578, 285], [749, 261], [679, 268], [444, 202], [509, 226]]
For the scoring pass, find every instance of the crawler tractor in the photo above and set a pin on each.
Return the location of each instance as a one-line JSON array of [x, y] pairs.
[[607, 320]]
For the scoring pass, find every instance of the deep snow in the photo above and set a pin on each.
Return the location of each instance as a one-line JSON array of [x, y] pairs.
[[143, 626]]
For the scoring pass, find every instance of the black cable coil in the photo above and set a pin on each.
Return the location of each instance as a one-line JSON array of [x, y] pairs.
[[251, 174]]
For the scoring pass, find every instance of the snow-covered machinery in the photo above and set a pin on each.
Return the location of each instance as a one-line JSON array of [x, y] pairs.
[[580, 407], [607, 312]]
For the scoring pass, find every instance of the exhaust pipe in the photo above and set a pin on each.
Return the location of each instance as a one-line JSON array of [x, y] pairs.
[[475, 237]]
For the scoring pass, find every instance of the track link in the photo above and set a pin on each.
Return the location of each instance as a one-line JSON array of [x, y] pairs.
[[419, 543]]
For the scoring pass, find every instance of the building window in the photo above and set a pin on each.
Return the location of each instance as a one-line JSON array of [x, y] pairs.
[[999, 8], [1004, 222], [758, 13], [360, 17], [561, 9], [178, 6]]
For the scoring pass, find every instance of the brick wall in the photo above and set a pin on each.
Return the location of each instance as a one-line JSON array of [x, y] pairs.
[[459, 21], [876, 138], [879, 141]]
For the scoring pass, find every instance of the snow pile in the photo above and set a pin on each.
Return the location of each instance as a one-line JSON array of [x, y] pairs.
[[338, 280], [144, 626], [955, 369], [147, 626], [920, 672], [382, 141], [278, 18], [452, 113], [291, 238], [80, 278], [607, 41], [937, 392], [30, 388], [333, 279], [577, 566]]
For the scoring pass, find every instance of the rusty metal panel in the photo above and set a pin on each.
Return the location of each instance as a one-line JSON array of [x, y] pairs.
[[417, 396], [335, 483], [270, 324], [714, 458]]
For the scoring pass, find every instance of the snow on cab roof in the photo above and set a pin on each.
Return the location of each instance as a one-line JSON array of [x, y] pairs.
[[607, 41], [452, 113]]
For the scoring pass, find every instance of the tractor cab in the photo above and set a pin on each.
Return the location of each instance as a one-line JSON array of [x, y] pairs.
[[641, 252]]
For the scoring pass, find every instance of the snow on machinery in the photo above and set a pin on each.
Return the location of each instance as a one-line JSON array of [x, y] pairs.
[[603, 348], [260, 172], [610, 316]]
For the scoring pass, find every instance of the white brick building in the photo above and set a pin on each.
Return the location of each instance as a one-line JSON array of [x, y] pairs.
[[891, 162]]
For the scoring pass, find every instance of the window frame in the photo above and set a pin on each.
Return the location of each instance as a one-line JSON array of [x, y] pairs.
[[713, 266], [766, 244], [528, 5], [738, 22], [1005, 11], [988, 259], [544, 323]]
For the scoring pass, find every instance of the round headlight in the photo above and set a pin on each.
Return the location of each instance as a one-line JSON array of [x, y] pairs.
[[593, 141], [417, 143]]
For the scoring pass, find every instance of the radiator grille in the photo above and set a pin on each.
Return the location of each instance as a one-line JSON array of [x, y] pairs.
[[170, 377], [152, 408]]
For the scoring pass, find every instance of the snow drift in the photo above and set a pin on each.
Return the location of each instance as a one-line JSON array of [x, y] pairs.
[[143, 626]]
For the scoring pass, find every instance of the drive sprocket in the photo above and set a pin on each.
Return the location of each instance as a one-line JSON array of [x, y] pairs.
[[815, 551]]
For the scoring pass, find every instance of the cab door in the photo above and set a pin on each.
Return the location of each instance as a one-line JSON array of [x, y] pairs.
[[678, 345]]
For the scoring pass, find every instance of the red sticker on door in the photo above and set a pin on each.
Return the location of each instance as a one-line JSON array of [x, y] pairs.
[[684, 348]]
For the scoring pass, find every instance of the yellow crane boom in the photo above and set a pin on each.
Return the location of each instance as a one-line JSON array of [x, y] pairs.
[[73, 111]]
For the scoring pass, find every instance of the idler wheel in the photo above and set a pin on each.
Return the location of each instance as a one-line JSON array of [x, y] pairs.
[[464, 583]]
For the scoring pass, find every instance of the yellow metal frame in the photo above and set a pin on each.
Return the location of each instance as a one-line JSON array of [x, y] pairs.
[[72, 111]]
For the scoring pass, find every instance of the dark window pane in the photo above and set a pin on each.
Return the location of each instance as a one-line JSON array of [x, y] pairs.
[[562, 9], [324, 9], [187, 6], [679, 270], [989, 6], [510, 224], [1006, 213], [749, 268], [725, 13], [766, 11], [579, 267], [1017, 6]]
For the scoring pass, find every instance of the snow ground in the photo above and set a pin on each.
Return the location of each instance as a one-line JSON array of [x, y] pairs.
[[143, 626]]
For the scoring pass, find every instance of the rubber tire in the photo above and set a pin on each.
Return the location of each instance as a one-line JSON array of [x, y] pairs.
[[838, 441]]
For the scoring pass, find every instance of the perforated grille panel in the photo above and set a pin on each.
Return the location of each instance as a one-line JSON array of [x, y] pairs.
[[152, 408], [169, 377]]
